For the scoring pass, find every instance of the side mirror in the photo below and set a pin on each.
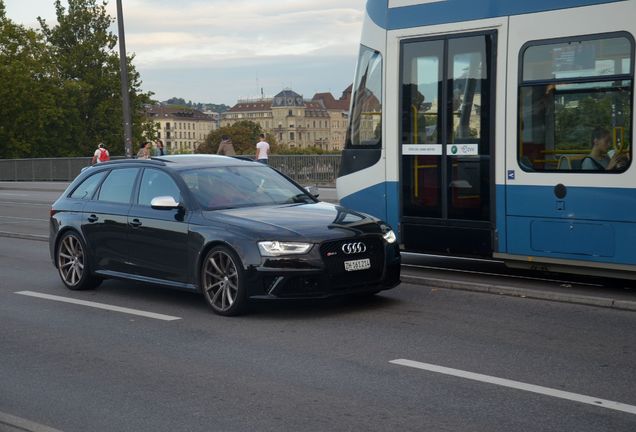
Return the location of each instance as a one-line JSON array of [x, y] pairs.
[[164, 203], [313, 191]]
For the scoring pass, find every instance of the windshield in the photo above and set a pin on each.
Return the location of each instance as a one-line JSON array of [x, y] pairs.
[[245, 186], [365, 128]]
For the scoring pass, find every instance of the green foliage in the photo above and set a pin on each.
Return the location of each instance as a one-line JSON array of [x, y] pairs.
[[220, 108], [63, 84], [580, 115], [29, 91], [244, 135]]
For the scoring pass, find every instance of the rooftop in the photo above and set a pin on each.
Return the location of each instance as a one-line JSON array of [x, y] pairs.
[[166, 111]]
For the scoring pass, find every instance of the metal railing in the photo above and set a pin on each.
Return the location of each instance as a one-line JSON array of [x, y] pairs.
[[306, 169]]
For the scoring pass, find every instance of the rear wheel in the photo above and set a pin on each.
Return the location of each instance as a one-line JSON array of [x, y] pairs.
[[72, 263], [223, 281]]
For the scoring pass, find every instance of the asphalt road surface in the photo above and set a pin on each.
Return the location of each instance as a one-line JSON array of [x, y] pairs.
[[413, 358]]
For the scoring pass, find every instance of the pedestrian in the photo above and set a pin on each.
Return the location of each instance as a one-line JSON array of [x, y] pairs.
[[100, 155], [262, 150], [159, 151], [226, 147], [145, 151]]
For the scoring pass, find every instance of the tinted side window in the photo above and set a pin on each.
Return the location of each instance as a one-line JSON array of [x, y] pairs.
[[156, 183], [87, 188], [118, 186]]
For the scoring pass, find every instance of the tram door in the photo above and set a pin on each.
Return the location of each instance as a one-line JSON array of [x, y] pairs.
[[447, 129]]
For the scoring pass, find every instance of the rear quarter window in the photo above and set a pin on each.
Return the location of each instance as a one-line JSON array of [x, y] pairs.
[[87, 188]]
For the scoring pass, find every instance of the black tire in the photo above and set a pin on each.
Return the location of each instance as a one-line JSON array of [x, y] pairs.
[[72, 263], [223, 281]]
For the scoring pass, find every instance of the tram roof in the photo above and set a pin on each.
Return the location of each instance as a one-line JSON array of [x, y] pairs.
[[399, 14]]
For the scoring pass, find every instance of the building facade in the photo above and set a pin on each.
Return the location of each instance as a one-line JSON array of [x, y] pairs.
[[296, 122], [181, 130]]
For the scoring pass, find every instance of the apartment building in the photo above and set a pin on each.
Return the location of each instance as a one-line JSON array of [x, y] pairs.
[[181, 129], [295, 121]]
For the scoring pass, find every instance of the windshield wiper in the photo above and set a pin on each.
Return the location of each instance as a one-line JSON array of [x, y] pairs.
[[301, 198]]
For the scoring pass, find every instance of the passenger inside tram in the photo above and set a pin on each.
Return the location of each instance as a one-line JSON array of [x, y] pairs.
[[601, 157]]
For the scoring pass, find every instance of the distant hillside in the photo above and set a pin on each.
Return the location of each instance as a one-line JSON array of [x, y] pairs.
[[220, 108]]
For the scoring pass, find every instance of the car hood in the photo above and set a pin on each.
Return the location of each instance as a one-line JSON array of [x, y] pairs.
[[315, 222]]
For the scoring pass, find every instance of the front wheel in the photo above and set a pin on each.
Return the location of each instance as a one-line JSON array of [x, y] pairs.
[[72, 263], [223, 281]]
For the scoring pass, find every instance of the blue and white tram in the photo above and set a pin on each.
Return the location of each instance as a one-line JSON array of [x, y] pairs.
[[497, 128]]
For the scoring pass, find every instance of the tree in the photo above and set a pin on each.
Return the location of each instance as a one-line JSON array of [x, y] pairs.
[[29, 92], [244, 135], [87, 67], [180, 102]]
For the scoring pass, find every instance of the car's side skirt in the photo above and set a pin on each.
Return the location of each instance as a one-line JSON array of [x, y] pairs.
[[108, 274]]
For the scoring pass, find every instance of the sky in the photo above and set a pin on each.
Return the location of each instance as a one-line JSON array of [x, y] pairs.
[[222, 50]]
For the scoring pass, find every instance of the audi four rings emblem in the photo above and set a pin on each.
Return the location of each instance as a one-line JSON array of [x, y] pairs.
[[354, 248]]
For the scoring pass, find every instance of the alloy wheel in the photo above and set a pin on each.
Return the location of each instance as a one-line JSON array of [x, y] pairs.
[[221, 280], [70, 260]]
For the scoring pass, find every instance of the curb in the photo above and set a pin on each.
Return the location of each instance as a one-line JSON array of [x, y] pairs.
[[36, 237], [522, 292]]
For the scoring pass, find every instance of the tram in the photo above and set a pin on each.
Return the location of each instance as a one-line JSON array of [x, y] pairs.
[[498, 129]]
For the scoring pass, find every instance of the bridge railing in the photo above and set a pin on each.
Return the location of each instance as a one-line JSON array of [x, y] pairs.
[[305, 169]]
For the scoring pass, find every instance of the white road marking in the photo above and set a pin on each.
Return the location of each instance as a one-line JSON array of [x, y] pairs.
[[100, 306], [13, 194], [603, 403], [14, 222], [18, 423], [23, 218], [26, 203]]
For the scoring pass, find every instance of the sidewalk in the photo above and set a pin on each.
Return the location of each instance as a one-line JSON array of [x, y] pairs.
[[552, 288]]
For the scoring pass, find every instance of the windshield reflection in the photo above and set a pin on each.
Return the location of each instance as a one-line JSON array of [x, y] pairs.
[[234, 187]]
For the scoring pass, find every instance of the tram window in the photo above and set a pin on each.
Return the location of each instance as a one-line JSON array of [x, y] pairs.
[[577, 58], [571, 93], [365, 128]]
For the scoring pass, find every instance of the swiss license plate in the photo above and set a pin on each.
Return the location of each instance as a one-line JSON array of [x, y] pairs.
[[355, 265]]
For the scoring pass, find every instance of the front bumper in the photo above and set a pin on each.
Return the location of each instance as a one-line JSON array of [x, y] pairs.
[[322, 275]]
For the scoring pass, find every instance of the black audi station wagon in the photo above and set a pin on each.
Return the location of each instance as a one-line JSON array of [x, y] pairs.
[[232, 229]]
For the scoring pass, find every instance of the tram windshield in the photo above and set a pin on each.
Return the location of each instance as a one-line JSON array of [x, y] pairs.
[[365, 127]]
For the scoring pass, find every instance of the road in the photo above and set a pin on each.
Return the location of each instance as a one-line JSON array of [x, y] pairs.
[[313, 366]]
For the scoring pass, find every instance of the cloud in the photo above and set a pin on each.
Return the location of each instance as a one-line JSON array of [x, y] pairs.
[[197, 33], [217, 50]]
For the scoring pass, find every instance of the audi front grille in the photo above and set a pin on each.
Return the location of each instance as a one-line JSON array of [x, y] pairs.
[[335, 253]]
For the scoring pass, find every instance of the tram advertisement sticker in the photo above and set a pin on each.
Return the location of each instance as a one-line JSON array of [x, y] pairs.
[[462, 149]]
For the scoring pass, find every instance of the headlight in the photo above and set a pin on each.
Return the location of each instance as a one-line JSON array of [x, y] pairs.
[[274, 248], [389, 236]]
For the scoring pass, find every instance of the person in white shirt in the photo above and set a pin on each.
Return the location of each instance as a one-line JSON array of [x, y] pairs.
[[262, 150], [100, 155]]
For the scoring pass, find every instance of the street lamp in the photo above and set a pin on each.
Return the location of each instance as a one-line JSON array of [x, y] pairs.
[[125, 97]]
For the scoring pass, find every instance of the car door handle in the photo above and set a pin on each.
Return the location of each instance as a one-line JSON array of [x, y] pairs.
[[92, 218], [135, 223]]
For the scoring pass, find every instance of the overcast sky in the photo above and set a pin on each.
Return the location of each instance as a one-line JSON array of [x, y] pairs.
[[222, 50]]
